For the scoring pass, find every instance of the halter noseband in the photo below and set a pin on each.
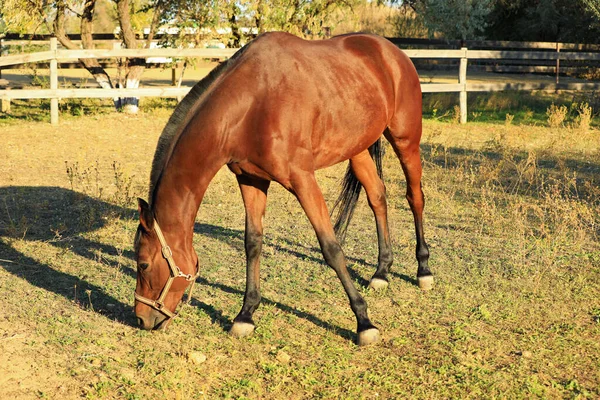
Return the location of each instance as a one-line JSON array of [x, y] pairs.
[[167, 253]]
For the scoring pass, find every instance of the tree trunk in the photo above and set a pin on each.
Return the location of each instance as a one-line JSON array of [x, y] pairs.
[[235, 29], [158, 10], [136, 65], [92, 65], [258, 17]]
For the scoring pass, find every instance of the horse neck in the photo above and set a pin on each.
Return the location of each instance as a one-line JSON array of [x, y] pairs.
[[181, 190]]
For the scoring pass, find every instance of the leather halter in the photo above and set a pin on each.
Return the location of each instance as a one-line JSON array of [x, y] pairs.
[[175, 272]]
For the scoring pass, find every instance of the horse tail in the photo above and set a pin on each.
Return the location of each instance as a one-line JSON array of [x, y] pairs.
[[346, 201]]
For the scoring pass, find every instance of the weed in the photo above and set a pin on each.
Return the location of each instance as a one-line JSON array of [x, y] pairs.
[[86, 180], [584, 116], [527, 114], [556, 115], [456, 114], [123, 184], [14, 228], [151, 104], [89, 295], [43, 81]]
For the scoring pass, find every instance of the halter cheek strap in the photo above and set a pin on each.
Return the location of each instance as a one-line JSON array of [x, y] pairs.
[[175, 272]]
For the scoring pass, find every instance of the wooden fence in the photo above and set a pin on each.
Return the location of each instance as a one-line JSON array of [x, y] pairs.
[[463, 55]]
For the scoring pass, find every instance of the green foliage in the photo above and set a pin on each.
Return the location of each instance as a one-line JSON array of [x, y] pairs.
[[456, 19], [197, 23], [193, 20], [409, 23], [549, 20], [23, 16], [593, 6], [297, 17], [371, 17]]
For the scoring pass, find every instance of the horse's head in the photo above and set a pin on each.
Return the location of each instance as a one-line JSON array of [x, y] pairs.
[[163, 273]]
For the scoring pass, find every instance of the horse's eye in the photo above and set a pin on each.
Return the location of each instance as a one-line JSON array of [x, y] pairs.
[[144, 266]]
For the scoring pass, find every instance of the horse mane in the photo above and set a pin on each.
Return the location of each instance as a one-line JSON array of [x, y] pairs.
[[174, 129]]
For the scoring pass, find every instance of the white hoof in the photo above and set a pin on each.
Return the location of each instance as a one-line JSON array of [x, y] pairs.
[[370, 336], [425, 282], [241, 329], [378, 284]]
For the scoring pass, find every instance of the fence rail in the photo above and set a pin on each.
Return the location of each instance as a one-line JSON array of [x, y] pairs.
[[66, 55], [56, 55]]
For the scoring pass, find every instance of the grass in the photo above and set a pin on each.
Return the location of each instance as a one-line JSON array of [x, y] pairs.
[[525, 108], [512, 219]]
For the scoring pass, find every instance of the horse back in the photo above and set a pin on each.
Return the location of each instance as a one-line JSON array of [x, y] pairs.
[[289, 101]]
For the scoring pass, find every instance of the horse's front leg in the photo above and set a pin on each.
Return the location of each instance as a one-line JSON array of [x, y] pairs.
[[254, 194]]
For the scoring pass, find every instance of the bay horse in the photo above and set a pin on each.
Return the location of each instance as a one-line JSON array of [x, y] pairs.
[[278, 110]]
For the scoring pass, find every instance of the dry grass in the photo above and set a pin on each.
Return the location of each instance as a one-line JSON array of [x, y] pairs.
[[556, 115], [584, 116], [512, 219]]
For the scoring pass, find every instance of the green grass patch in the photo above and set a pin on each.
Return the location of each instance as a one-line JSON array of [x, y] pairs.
[[523, 108]]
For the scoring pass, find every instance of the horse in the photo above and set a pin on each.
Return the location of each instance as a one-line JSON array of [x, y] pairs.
[[278, 110]]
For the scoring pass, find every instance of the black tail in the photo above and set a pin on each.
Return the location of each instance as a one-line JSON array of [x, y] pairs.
[[346, 202]]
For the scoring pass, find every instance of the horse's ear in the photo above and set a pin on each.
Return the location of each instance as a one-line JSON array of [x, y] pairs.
[[146, 215]]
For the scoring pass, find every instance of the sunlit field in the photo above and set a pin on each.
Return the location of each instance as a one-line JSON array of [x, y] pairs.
[[512, 219]]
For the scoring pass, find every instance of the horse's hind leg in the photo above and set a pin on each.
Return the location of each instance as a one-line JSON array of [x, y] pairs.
[[254, 194], [365, 171], [306, 189], [404, 138]]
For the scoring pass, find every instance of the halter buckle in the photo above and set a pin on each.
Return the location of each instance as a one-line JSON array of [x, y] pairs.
[[167, 252]]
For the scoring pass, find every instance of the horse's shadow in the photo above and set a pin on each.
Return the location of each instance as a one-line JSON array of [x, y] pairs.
[[59, 217], [235, 238], [63, 217]]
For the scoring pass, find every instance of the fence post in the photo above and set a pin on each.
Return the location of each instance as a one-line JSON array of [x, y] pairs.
[[5, 106], [557, 62], [5, 103], [462, 80], [54, 82]]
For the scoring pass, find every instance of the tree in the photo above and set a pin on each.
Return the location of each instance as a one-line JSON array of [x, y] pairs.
[[381, 18], [193, 22], [544, 20], [29, 16], [455, 19], [409, 23], [306, 18], [593, 6]]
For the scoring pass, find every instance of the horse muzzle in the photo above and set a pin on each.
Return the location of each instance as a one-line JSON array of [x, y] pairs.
[[154, 321]]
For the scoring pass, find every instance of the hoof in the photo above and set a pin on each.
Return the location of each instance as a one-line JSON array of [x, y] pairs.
[[241, 329], [425, 282], [378, 284], [370, 336]]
